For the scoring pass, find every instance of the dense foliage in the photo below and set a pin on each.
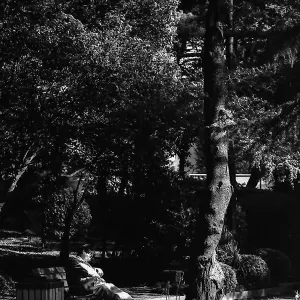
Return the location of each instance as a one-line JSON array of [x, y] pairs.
[[230, 281], [116, 88], [278, 263], [7, 285], [252, 272]]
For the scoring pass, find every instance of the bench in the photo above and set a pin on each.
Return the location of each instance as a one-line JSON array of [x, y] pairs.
[[58, 273]]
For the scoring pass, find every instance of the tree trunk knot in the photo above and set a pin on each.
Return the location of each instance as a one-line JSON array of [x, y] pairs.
[[212, 268], [217, 275], [202, 262]]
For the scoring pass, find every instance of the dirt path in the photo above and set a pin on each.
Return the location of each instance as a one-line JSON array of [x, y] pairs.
[[147, 293]]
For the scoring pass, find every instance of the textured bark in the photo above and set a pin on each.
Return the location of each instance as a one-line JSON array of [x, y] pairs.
[[207, 281], [65, 241], [230, 58], [26, 162], [124, 179], [182, 162], [9, 196], [77, 202]]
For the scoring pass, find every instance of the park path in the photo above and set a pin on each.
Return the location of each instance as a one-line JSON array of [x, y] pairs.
[[148, 294]]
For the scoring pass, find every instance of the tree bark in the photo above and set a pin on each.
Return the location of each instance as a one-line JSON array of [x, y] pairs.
[[124, 178], [254, 178], [71, 210], [26, 162], [230, 58], [252, 33], [182, 162], [206, 277], [65, 241]]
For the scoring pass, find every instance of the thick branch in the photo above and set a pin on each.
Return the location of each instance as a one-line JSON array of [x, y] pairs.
[[253, 33], [26, 162], [186, 55]]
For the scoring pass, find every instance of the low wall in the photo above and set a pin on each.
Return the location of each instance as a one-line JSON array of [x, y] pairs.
[[268, 292]]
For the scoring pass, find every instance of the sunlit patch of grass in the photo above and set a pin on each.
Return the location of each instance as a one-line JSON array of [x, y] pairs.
[[14, 243]]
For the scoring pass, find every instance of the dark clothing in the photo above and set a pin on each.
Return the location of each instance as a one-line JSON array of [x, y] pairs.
[[83, 279], [77, 270]]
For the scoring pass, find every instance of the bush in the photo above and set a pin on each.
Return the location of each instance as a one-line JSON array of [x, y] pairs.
[[227, 250], [7, 286], [279, 264], [252, 272], [226, 253], [230, 281]]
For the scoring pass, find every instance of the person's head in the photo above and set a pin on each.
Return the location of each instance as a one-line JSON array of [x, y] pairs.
[[85, 252]]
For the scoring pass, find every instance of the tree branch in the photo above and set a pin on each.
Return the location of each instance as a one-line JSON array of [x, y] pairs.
[[193, 55], [189, 60], [253, 33]]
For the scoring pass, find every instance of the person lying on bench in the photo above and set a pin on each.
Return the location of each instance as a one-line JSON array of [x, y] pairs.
[[83, 279]]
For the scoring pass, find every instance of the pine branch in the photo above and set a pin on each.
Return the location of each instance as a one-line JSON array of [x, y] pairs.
[[192, 55], [258, 33], [284, 44]]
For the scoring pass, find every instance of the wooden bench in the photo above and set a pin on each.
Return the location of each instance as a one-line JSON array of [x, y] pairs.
[[60, 274], [110, 291]]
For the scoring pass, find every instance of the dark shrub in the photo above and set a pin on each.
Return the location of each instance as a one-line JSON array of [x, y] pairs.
[[230, 281], [252, 272], [7, 285], [227, 250], [226, 253], [279, 264]]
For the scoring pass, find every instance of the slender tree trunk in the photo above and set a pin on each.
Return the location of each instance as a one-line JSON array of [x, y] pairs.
[[230, 59], [65, 241], [19, 174], [26, 162], [231, 212], [124, 179], [103, 206], [254, 177], [207, 276], [71, 210], [182, 161]]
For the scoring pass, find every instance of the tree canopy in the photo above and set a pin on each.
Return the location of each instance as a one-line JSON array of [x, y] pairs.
[[113, 89]]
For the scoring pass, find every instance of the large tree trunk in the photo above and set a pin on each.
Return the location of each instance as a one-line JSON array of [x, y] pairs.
[[208, 276]]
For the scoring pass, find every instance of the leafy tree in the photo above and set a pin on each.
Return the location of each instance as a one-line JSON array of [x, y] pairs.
[[56, 213], [106, 98], [31, 80]]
